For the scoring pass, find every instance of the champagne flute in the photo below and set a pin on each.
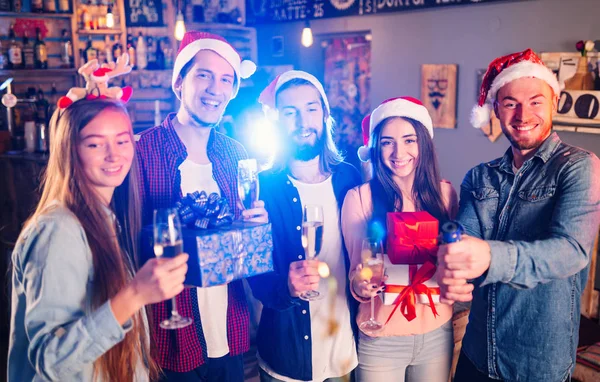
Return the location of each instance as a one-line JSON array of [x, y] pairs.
[[312, 240], [248, 182], [168, 242], [372, 261]]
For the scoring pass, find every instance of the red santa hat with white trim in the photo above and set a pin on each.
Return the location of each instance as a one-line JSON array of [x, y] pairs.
[[403, 107], [195, 41], [504, 70], [268, 96]]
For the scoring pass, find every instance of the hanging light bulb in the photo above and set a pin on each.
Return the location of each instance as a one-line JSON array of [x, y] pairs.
[[110, 18], [179, 27], [307, 36]]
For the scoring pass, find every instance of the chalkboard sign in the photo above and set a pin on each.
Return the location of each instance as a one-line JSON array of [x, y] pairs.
[[269, 11], [144, 13]]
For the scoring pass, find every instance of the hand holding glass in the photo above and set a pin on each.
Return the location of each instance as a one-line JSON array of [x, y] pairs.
[[248, 182], [312, 240], [168, 242], [372, 271]]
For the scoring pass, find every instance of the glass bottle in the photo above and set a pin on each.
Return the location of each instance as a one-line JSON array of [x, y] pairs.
[[15, 51], [28, 52], [40, 51], [66, 50]]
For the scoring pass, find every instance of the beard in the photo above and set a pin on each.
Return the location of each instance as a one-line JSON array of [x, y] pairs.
[[306, 151]]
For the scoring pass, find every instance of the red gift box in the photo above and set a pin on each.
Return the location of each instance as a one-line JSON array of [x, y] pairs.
[[411, 237]]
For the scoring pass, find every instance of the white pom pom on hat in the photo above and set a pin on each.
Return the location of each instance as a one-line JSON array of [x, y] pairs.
[[195, 41], [506, 69], [408, 107]]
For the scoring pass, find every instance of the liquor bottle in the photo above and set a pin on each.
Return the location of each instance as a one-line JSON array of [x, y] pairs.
[[141, 50], [28, 52], [90, 51], [86, 19], [168, 52], [63, 6], [117, 51], [131, 52], [37, 6], [52, 100], [108, 50], [3, 58], [40, 51], [41, 107], [160, 54], [151, 53], [50, 6], [15, 51], [66, 50]]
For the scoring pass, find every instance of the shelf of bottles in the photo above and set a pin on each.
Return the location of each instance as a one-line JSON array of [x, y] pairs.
[[36, 8]]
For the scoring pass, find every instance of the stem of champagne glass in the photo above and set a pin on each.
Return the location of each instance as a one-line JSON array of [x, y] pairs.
[[372, 308], [174, 311]]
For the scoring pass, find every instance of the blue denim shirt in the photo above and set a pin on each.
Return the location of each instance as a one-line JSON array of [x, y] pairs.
[[540, 224], [54, 335]]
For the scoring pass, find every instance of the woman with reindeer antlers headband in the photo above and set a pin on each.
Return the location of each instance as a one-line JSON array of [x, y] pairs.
[[78, 301]]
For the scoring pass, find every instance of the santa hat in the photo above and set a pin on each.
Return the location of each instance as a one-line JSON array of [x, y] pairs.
[[195, 41], [268, 96], [405, 107], [504, 70]]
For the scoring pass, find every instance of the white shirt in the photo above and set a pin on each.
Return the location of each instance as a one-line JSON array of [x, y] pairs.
[[212, 301], [332, 356]]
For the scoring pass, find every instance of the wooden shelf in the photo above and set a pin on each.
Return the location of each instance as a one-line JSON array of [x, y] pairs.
[[99, 32], [30, 15], [37, 72]]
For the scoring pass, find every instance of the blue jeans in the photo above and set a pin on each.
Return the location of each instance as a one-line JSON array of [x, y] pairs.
[[224, 369], [265, 377], [418, 358]]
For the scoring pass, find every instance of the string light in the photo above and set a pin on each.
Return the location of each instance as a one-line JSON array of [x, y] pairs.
[[179, 27], [307, 36], [110, 18]]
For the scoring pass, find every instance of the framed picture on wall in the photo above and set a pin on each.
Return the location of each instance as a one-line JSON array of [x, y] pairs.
[[438, 92]]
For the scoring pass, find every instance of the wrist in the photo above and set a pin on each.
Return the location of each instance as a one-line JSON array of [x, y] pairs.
[[126, 303]]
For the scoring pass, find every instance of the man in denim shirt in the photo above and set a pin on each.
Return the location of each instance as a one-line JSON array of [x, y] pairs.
[[530, 218]]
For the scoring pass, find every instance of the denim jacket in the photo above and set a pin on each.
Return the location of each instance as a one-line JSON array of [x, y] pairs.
[[540, 224], [54, 335]]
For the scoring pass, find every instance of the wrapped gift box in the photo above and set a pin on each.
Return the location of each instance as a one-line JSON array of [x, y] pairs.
[[411, 237], [399, 278], [219, 256]]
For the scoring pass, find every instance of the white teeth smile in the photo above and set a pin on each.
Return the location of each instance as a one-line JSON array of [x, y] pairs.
[[524, 128], [210, 102], [112, 170], [306, 135], [400, 163]]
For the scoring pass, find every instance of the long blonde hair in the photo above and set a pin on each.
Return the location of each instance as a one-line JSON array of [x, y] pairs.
[[113, 246]]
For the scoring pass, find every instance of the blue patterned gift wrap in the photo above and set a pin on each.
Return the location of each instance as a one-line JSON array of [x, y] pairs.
[[219, 256]]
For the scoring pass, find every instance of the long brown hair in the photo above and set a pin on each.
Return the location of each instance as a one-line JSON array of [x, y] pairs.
[[426, 192], [113, 246], [330, 156]]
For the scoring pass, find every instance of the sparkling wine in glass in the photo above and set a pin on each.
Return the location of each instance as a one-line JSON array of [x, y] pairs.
[[372, 262], [312, 240], [168, 242], [248, 182]]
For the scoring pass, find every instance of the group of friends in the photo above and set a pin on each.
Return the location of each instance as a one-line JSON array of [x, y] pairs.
[[85, 309]]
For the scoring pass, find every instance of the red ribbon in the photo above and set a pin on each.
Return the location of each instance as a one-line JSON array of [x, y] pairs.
[[406, 300], [412, 229]]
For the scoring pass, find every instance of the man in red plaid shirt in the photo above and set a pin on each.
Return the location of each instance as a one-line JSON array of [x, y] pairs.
[[183, 155]]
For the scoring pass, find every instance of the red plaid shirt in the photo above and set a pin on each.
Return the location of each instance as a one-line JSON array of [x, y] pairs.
[[159, 154]]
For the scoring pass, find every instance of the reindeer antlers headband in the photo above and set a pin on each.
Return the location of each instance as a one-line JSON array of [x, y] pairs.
[[96, 82]]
